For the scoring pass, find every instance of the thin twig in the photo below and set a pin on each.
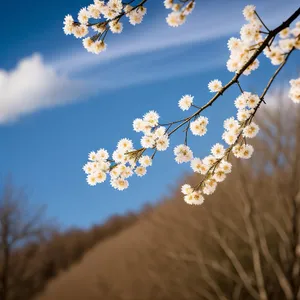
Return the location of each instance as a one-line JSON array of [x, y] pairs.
[[262, 21]]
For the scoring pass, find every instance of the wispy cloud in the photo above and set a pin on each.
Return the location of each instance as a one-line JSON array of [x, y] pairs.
[[135, 73], [32, 86]]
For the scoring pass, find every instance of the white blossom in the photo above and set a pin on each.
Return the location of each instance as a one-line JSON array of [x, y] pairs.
[[140, 171], [249, 12], [194, 198], [125, 145], [294, 92], [162, 143], [186, 189], [91, 179], [250, 131], [215, 86], [147, 141], [198, 127], [83, 16], [185, 102], [151, 118], [198, 166], [183, 154], [218, 150]]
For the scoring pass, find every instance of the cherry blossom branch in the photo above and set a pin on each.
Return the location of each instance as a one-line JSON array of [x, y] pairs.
[[235, 80], [247, 122], [126, 160], [112, 11]]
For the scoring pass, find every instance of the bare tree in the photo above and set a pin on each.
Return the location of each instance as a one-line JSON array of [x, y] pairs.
[[18, 226], [258, 232]]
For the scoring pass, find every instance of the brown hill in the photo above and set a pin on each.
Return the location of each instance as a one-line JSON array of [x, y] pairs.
[[33, 250]]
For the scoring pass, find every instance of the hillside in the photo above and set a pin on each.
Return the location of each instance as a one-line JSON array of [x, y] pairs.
[[136, 264], [46, 251]]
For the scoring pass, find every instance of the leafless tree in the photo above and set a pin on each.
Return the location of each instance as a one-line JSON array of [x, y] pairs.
[[259, 238], [19, 226]]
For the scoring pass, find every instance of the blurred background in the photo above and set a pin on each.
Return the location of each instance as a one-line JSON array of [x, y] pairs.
[[62, 239]]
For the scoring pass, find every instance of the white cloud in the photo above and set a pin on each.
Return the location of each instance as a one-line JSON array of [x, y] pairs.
[[32, 86]]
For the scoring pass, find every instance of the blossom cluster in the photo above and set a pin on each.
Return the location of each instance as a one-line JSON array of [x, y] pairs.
[[289, 38], [154, 136], [199, 126], [179, 11], [183, 154], [294, 92], [241, 49], [216, 166], [107, 17], [126, 160], [251, 37], [122, 165]]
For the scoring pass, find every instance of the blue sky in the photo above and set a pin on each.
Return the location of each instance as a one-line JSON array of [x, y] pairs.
[[58, 102]]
